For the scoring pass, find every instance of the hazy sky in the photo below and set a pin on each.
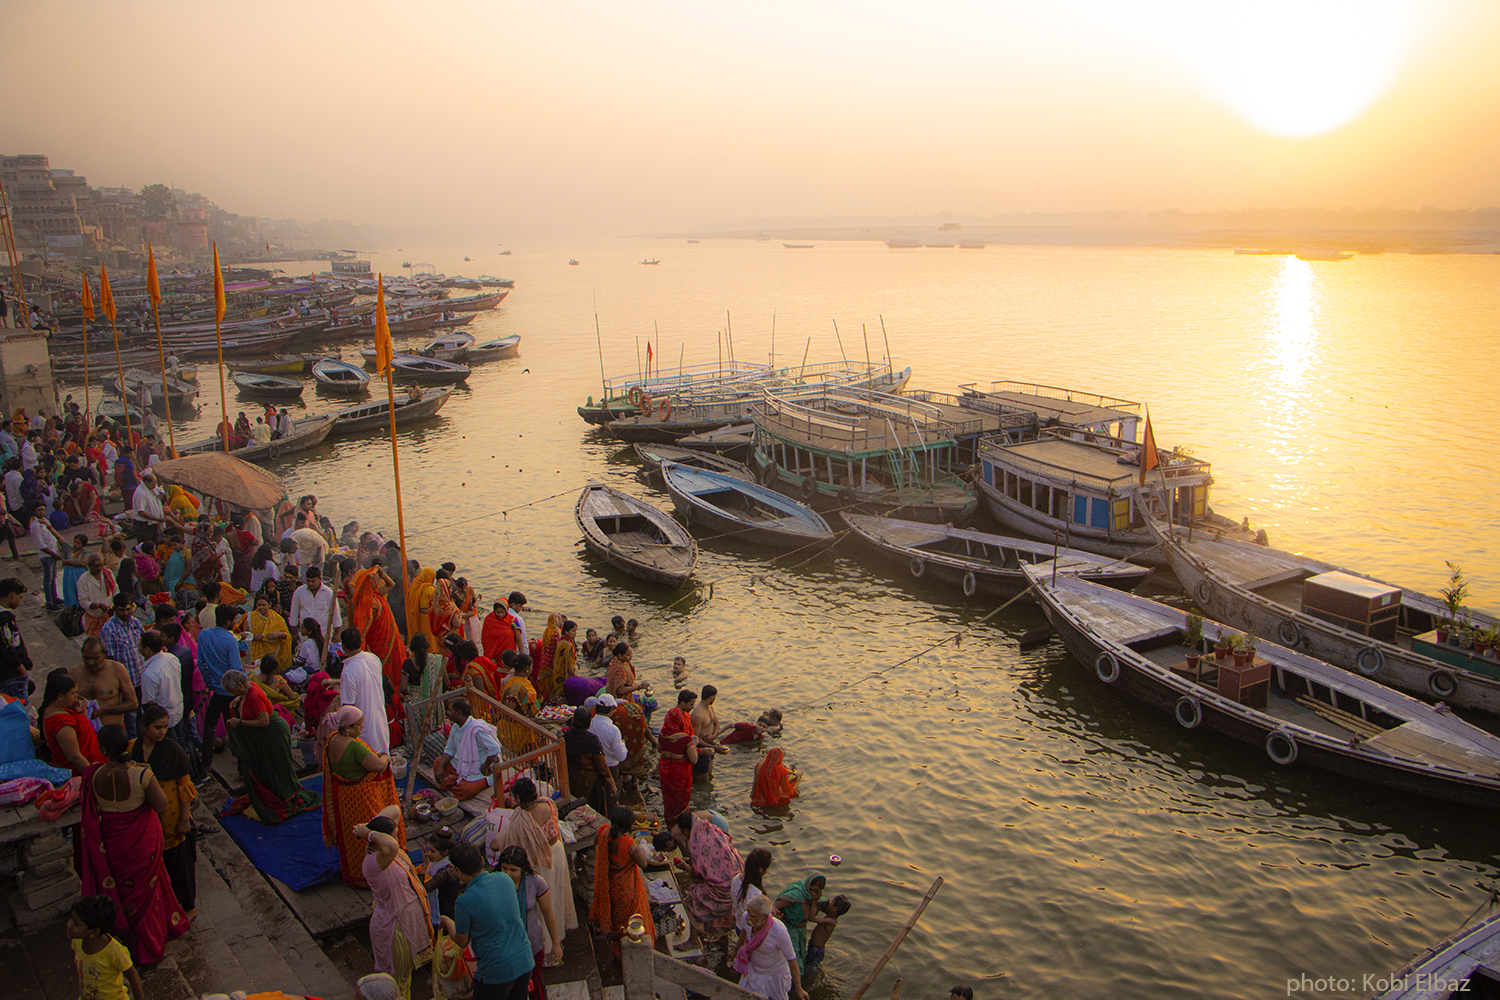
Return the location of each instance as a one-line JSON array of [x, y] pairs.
[[623, 117]]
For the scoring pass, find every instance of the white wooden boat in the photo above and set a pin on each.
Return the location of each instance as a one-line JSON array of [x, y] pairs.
[[731, 441], [309, 432], [180, 393], [1464, 964], [1301, 711], [376, 415], [496, 350], [333, 375], [448, 347], [427, 371], [1297, 599], [634, 536], [266, 386], [651, 262], [653, 455], [981, 563], [741, 511]]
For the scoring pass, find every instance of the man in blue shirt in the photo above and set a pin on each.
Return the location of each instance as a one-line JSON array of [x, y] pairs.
[[488, 917], [122, 643], [218, 652]]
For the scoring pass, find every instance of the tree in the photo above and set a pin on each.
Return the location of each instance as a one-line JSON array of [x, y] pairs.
[[159, 201]]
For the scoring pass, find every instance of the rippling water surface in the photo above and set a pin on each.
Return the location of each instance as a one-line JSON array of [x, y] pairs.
[[1089, 848]]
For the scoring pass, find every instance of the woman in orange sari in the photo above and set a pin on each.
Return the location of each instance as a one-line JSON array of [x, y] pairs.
[[370, 612], [564, 663], [775, 785], [357, 785], [619, 890], [419, 601], [475, 670], [517, 692], [443, 618]]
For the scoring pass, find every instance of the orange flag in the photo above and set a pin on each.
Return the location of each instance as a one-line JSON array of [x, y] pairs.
[[88, 298], [220, 308], [106, 297], [153, 289], [383, 346], [1149, 459]]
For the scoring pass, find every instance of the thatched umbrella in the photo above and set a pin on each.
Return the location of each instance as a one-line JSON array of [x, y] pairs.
[[224, 477]]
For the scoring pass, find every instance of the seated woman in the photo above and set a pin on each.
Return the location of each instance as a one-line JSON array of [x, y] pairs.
[[278, 692], [261, 742], [517, 692], [619, 889], [69, 732], [357, 785], [714, 863], [271, 634], [775, 785], [588, 774]]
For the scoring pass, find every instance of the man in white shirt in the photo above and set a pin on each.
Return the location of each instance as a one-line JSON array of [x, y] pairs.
[[261, 432], [517, 602], [49, 545], [315, 601], [473, 749], [147, 511], [96, 587], [161, 678], [361, 685], [312, 547], [28, 452], [609, 734], [284, 424]]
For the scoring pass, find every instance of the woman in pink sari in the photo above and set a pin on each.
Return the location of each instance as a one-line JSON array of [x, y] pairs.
[[122, 848], [715, 863]]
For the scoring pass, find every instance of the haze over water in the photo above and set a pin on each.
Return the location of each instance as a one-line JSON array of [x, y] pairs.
[[1090, 848]]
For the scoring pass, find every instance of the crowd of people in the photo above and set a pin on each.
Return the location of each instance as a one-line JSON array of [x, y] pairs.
[[205, 630]]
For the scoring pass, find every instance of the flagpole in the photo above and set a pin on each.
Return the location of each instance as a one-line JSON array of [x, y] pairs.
[[153, 292], [87, 305], [390, 393], [224, 427], [107, 303]]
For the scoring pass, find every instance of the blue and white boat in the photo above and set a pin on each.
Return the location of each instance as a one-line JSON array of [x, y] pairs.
[[746, 512]]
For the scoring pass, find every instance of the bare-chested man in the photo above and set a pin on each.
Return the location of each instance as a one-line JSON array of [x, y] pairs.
[[705, 720], [105, 682]]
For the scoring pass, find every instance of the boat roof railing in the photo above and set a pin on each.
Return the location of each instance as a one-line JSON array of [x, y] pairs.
[[1173, 464], [851, 419], [681, 377], [1010, 416], [1055, 392]]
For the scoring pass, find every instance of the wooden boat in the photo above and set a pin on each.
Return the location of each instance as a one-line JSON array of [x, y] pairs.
[[847, 448], [1302, 711], [634, 536], [572, 263], [653, 455], [651, 262], [333, 375], [490, 281], [476, 303], [731, 441], [1465, 962], [427, 371], [1353, 621], [240, 346], [981, 563], [745, 511], [448, 347], [376, 415], [114, 409], [309, 432], [266, 386], [798, 246], [412, 324], [280, 364], [448, 321], [496, 350], [180, 393]]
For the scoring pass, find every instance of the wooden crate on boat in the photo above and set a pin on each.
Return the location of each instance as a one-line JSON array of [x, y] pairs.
[[1248, 685], [1364, 606]]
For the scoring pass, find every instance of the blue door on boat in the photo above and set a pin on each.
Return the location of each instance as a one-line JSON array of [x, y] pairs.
[[989, 473], [1080, 510], [1100, 514]]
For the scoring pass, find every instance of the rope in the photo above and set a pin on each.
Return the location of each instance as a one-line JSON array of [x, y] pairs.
[[901, 663], [502, 511], [1490, 901]]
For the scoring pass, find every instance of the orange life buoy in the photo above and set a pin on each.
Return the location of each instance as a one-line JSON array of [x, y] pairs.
[[666, 408], [646, 403], [635, 394]]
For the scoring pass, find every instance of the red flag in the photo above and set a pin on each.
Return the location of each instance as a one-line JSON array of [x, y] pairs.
[[106, 297], [153, 289], [648, 357], [1149, 458], [88, 298], [383, 346]]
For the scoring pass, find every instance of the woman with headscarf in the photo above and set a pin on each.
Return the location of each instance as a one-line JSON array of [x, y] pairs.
[[370, 612], [261, 742], [619, 890], [182, 503], [516, 690], [241, 552], [174, 560], [545, 650], [269, 633], [401, 938], [796, 906], [532, 825], [588, 774], [443, 618], [357, 785], [81, 502], [419, 601], [775, 785], [715, 862], [206, 565], [121, 848], [563, 665], [172, 768], [679, 752]]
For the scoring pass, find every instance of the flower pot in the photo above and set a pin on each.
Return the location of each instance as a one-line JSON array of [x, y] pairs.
[[1241, 657], [1454, 639], [1192, 661], [1442, 636], [1221, 652]]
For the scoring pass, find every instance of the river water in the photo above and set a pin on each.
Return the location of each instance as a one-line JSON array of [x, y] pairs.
[[1089, 848]]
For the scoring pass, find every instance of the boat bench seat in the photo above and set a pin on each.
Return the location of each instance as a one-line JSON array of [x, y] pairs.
[[1160, 639]]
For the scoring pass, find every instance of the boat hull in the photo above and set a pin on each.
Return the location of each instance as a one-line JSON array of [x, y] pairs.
[[376, 416], [1157, 691], [1134, 545], [927, 506], [695, 511], [308, 432], [1398, 667], [650, 430], [669, 564]]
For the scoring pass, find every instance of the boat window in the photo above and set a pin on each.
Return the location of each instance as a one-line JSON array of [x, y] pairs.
[[1099, 514], [1122, 513], [989, 473], [1043, 499], [1011, 487], [1059, 504], [1080, 510], [1025, 493]]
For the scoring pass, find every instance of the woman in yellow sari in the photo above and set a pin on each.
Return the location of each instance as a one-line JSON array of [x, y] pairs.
[[517, 692], [270, 630], [444, 614], [419, 600], [558, 656], [182, 503]]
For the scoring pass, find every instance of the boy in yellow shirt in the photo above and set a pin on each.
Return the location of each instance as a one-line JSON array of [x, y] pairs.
[[104, 963]]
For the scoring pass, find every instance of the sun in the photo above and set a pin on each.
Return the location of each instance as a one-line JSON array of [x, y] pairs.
[[1299, 68]]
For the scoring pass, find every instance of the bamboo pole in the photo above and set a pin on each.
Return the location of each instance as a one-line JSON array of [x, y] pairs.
[[120, 367], [88, 426], [842, 355], [161, 353], [905, 930], [888, 359], [773, 341], [803, 372], [865, 330]]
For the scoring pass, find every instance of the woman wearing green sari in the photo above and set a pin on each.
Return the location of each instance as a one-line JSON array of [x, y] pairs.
[[796, 906], [261, 742]]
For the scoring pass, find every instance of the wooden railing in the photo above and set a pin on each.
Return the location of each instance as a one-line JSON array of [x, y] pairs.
[[530, 748]]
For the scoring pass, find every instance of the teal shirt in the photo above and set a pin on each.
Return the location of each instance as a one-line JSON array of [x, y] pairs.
[[489, 913]]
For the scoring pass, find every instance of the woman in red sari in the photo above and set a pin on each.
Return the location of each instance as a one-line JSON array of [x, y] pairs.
[[370, 612], [619, 890], [122, 849], [444, 615], [679, 752], [775, 785], [69, 733]]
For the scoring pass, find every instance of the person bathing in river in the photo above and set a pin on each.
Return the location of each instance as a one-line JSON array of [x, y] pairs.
[[769, 724], [827, 920], [705, 719]]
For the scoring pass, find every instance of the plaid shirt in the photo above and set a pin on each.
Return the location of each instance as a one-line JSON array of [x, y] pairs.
[[122, 641]]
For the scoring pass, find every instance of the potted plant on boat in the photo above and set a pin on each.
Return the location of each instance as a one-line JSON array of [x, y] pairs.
[[1244, 650], [1454, 596], [1225, 644], [1192, 638], [1444, 626]]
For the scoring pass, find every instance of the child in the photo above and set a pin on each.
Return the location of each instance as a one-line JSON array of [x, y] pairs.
[[103, 963], [826, 919], [442, 882]]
